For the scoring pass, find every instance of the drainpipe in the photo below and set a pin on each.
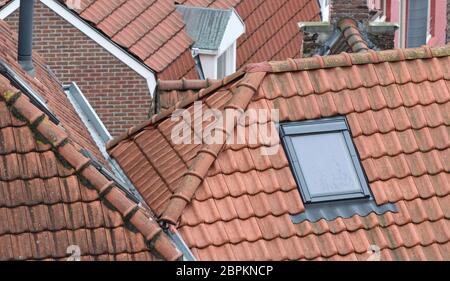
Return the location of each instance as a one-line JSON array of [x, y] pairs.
[[25, 56]]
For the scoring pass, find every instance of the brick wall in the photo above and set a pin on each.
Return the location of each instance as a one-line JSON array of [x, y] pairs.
[[383, 41], [118, 94], [355, 9]]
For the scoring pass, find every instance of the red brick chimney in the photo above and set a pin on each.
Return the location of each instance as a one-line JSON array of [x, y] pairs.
[[322, 38], [354, 9]]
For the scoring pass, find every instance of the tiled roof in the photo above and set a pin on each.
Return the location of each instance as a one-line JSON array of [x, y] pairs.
[[154, 30], [352, 35], [169, 92], [271, 29], [231, 202], [51, 197], [271, 26], [49, 89]]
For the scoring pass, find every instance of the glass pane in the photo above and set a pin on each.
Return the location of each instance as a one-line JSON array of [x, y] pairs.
[[326, 164], [417, 23], [221, 65]]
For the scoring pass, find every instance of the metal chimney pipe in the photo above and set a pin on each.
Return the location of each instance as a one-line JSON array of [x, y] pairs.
[[25, 51]]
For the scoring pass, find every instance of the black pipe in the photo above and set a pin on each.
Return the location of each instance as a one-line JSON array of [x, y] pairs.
[[25, 51]]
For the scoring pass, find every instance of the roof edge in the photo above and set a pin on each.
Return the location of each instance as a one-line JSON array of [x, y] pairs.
[[370, 57], [158, 242], [185, 84]]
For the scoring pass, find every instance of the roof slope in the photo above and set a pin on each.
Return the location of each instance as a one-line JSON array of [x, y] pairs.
[[231, 202], [49, 89], [51, 196], [154, 30], [271, 27]]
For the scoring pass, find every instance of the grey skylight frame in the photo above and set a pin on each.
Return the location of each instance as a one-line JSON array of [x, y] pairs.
[[323, 126]]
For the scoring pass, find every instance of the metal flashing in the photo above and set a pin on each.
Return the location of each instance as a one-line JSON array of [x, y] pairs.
[[26, 89], [342, 209]]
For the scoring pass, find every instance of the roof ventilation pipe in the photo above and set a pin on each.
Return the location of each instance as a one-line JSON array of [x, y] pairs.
[[25, 56]]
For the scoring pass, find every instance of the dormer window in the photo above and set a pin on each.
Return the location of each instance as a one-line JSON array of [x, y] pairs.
[[214, 32], [324, 160]]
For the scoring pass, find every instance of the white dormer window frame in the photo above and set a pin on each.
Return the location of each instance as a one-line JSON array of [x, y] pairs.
[[226, 62], [210, 59], [217, 66]]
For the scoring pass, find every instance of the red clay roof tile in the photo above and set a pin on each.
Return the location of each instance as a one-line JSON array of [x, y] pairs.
[[136, 24], [402, 138], [50, 194]]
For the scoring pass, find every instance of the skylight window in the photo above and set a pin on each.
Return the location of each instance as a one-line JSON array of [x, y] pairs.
[[324, 160]]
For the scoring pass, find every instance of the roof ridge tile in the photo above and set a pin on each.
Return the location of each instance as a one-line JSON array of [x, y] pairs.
[[156, 118], [371, 57], [352, 35], [205, 157], [185, 84]]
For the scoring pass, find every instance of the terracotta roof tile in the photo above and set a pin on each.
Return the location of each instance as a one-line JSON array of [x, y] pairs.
[[134, 24], [352, 35], [50, 194], [65, 208], [399, 125]]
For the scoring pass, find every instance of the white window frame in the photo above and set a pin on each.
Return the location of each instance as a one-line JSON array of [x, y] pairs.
[[429, 35], [230, 61], [210, 62], [403, 22]]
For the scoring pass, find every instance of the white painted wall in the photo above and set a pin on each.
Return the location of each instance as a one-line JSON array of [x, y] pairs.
[[209, 65], [234, 30]]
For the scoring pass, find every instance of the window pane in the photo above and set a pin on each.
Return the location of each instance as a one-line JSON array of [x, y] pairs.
[[222, 65], [417, 23], [326, 164]]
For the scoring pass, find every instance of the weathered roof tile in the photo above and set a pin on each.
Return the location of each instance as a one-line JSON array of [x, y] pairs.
[[49, 192], [400, 131]]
